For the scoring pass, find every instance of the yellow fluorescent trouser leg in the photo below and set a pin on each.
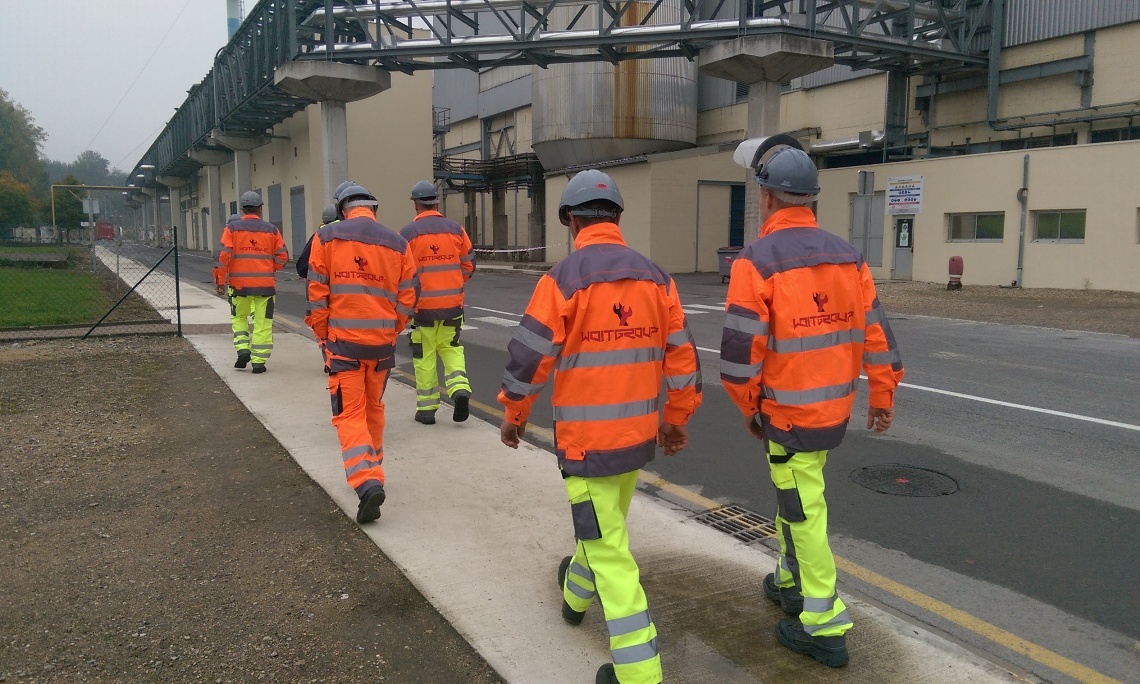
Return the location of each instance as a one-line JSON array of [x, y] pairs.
[[805, 556], [240, 308], [424, 363], [451, 353], [262, 344], [603, 562]]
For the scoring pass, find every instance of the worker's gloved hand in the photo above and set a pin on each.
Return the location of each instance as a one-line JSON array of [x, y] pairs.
[[753, 427], [220, 289], [324, 354]]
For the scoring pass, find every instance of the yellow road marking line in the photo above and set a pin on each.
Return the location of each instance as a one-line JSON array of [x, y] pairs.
[[961, 618]]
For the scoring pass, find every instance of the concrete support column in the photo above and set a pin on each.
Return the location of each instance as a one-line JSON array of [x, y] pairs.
[[217, 213], [243, 171], [763, 62], [536, 222], [499, 217], [334, 141], [333, 84], [176, 215], [471, 215]]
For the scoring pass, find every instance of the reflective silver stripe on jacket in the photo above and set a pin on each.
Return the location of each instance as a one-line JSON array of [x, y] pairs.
[[361, 323], [441, 293], [889, 356], [263, 274], [875, 315], [347, 288], [319, 304], [317, 277], [517, 386], [629, 409], [536, 342], [792, 345], [244, 255], [409, 283], [745, 325], [679, 338], [467, 259], [740, 370], [619, 357], [811, 396], [676, 382], [438, 268]]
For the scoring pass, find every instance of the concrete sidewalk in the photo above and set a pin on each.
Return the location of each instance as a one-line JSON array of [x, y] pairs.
[[480, 529]]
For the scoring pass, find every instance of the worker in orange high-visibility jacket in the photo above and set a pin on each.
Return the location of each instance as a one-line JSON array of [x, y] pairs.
[[608, 323], [444, 262], [252, 252], [361, 288], [802, 319]]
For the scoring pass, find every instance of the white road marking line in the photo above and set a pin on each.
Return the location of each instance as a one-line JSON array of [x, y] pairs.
[[505, 322], [703, 306], [1023, 407], [691, 312], [505, 313], [984, 400]]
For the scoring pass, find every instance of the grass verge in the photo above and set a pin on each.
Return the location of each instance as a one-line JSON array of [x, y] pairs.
[[49, 297]]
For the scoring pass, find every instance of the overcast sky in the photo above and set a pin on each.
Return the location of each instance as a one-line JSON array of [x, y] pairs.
[[69, 62]]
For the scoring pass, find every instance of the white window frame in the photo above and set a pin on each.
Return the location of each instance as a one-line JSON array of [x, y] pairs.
[[1059, 240]]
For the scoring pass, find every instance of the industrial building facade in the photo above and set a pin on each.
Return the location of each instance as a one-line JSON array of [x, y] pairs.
[[1025, 170]]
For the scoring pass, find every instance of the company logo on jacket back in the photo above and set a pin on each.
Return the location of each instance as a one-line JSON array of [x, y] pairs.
[[252, 247], [822, 318], [435, 255], [359, 273], [624, 332]]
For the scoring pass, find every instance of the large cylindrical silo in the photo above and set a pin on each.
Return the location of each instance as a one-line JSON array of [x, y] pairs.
[[597, 111]]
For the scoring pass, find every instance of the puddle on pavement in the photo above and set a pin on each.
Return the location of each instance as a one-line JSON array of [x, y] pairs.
[[715, 625]]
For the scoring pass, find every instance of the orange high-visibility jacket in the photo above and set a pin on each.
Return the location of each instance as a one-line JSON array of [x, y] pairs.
[[609, 323], [444, 262], [802, 318], [361, 288], [252, 251]]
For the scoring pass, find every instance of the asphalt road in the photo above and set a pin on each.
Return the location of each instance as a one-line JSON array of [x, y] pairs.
[[1038, 540]]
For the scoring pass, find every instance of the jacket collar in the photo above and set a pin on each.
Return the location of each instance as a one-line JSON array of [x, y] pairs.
[[360, 212], [790, 217], [599, 234], [425, 214], [250, 217]]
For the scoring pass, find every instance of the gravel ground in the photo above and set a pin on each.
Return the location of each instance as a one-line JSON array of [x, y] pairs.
[[1104, 311], [151, 530]]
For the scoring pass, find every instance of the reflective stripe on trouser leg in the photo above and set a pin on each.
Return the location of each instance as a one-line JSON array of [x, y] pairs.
[[802, 524], [602, 510], [424, 363], [451, 353], [240, 308], [360, 423], [261, 346]]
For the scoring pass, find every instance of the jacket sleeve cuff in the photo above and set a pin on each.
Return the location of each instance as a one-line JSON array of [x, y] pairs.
[[675, 416], [882, 398], [515, 416]]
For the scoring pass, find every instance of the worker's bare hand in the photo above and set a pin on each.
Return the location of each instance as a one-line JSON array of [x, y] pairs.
[[880, 418], [511, 433], [753, 427], [672, 438], [220, 289]]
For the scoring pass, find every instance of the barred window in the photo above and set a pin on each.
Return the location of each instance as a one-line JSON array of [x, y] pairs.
[[989, 227]]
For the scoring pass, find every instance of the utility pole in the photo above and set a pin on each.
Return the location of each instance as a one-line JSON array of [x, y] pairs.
[[91, 225]]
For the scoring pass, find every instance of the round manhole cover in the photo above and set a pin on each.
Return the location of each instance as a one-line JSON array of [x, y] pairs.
[[900, 479]]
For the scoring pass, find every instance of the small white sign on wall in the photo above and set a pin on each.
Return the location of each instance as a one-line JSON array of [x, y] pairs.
[[904, 195]]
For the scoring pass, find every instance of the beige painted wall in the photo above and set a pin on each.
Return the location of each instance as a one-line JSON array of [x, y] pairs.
[[1115, 76], [1097, 178]]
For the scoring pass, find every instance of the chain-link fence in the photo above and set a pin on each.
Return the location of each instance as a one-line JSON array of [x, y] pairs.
[[66, 284]]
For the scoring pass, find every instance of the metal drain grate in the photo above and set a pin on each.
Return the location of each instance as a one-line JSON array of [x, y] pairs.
[[739, 523]]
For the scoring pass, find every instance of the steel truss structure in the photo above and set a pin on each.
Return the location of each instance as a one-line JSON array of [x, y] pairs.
[[238, 96]]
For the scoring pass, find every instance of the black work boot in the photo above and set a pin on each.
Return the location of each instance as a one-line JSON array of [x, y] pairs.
[[242, 359], [829, 650], [461, 409], [370, 503], [606, 675], [259, 368], [790, 598], [570, 615], [425, 417]]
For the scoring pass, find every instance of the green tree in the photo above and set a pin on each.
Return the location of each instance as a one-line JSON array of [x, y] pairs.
[[20, 141], [17, 202], [68, 206]]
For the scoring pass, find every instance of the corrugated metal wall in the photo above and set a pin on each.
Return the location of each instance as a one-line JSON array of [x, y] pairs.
[[1028, 21]]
